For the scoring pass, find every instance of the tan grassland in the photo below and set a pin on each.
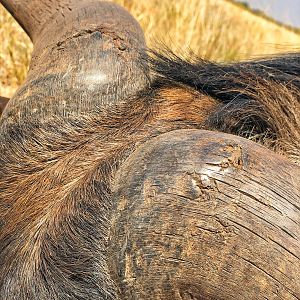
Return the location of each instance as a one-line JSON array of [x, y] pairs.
[[212, 29]]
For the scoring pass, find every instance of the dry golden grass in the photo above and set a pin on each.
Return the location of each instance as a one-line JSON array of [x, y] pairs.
[[15, 50], [213, 29]]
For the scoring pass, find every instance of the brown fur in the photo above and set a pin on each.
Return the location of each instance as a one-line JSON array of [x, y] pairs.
[[37, 205], [282, 104]]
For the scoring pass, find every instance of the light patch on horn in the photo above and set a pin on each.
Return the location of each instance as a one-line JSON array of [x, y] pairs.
[[92, 79]]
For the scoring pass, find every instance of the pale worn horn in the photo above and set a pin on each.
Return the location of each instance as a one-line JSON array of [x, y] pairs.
[[86, 55]]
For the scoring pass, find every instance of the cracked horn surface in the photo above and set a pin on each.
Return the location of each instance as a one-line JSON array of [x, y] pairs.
[[206, 215], [86, 55]]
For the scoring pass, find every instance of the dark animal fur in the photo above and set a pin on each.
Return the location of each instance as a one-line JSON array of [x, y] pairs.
[[258, 99], [55, 199]]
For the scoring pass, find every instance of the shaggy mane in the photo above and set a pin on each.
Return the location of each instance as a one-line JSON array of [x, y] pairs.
[[258, 99]]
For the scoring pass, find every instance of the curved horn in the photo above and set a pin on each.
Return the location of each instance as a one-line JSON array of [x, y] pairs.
[[86, 56], [205, 215], [3, 102]]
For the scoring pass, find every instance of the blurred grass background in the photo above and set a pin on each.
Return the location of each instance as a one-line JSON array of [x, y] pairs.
[[218, 30]]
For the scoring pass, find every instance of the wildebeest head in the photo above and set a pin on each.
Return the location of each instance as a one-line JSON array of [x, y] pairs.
[[120, 177]]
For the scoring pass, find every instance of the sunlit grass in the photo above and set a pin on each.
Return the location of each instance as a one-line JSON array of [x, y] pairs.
[[15, 50], [212, 29]]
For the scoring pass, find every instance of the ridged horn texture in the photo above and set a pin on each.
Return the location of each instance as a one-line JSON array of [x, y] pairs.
[[85, 57]]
